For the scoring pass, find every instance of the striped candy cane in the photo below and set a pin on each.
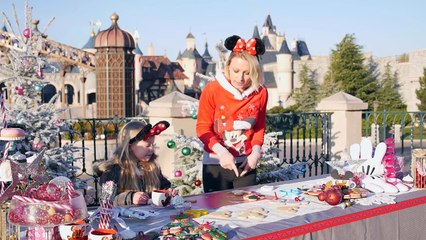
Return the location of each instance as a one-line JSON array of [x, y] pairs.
[[70, 190], [4, 125]]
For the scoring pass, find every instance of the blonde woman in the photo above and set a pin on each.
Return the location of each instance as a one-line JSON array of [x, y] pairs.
[[231, 118], [134, 167]]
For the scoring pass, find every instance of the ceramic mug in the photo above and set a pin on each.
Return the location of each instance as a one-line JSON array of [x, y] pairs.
[[102, 234], [158, 197], [78, 230]]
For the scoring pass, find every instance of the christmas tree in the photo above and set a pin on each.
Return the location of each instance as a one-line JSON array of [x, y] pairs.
[[21, 72], [188, 165]]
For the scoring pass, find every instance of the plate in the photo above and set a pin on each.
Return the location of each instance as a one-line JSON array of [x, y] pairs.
[[314, 192]]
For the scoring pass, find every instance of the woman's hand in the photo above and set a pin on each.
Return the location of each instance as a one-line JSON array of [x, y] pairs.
[[140, 198], [227, 161], [251, 162]]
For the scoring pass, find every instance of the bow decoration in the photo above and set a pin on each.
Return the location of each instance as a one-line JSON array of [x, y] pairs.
[[149, 131], [250, 46]]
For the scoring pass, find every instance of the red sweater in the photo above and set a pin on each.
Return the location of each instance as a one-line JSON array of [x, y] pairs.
[[235, 120]]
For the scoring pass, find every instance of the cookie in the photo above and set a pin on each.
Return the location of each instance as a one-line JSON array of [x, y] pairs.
[[220, 214], [251, 215], [287, 209], [256, 210]]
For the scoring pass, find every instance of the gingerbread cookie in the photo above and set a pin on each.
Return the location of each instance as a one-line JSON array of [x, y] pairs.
[[253, 213], [288, 209], [220, 214]]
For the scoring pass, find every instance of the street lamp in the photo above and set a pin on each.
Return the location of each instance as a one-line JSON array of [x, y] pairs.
[[375, 105]]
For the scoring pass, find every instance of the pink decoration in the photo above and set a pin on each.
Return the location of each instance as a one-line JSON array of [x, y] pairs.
[[20, 90], [389, 162], [27, 33], [105, 219], [39, 72], [178, 173], [70, 189]]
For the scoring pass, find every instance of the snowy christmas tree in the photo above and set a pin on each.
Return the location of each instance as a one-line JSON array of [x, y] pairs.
[[22, 74], [188, 164]]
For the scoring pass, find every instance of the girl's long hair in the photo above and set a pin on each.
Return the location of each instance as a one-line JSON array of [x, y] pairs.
[[133, 171]]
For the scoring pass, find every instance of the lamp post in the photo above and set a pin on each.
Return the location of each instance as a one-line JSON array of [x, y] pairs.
[[375, 105]]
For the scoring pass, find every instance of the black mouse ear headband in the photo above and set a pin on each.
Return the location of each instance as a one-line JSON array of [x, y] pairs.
[[254, 46], [149, 131]]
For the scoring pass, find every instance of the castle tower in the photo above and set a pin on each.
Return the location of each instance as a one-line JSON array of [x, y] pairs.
[[191, 61], [269, 30], [115, 86], [190, 41], [138, 69], [284, 72]]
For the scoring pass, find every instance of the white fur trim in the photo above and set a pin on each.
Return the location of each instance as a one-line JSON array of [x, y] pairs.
[[228, 87], [238, 125]]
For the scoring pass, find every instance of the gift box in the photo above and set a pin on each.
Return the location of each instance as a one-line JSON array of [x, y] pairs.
[[418, 168]]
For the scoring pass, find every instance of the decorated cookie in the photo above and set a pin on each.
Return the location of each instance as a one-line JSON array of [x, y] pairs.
[[220, 214]]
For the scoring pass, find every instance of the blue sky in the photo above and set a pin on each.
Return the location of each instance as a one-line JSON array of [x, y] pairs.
[[383, 27]]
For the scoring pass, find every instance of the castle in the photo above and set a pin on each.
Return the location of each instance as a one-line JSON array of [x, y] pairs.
[[111, 76]]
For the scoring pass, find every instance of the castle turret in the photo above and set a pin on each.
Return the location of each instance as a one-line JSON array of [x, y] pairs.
[[190, 41], [115, 72], [284, 72]]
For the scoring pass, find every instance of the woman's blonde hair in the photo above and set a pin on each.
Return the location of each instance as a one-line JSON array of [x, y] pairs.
[[256, 72], [132, 169]]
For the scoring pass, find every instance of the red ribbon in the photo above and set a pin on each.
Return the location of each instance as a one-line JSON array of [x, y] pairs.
[[250, 46]]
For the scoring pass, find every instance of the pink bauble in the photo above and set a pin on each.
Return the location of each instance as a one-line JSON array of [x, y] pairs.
[[39, 72], [20, 90], [178, 173], [27, 33]]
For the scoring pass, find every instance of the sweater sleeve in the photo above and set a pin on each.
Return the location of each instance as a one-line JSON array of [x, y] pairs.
[[259, 127], [164, 182], [205, 118]]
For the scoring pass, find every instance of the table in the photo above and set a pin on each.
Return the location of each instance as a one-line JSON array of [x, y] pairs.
[[404, 220]]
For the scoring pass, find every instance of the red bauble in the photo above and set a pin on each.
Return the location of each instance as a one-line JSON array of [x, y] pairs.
[[322, 196], [197, 183], [178, 173], [334, 196]]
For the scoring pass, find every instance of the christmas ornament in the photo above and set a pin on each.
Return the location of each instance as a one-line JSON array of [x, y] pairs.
[[178, 173], [171, 144], [197, 182], [186, 151], [334, 196], [39, 72], [27, 33], [20, 90], [194, 116]]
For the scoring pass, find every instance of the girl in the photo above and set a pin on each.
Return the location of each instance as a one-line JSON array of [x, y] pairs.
[[133, 166]]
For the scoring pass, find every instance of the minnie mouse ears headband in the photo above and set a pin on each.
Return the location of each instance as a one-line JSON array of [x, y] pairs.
[[149, 131], [254, 46]]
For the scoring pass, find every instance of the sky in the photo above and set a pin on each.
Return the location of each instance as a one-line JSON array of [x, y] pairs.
[[383, 27]]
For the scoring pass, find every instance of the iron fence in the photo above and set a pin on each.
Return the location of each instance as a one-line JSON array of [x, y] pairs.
[[306, 137]]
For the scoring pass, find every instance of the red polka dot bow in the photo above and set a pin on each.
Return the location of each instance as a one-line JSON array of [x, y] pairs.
[[250, 46]]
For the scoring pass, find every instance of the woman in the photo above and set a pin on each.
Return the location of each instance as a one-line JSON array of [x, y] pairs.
[[134, 167], [231, 118]]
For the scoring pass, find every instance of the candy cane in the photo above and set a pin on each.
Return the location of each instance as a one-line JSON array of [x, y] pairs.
[[71, 190], [3, 111], [105, 218], [2, 188], [33, 200]]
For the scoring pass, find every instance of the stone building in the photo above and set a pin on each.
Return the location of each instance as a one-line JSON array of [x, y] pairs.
[[79, 75]]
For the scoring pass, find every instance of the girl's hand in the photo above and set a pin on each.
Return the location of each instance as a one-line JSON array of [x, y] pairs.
[[172, 192], [140, 198]]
